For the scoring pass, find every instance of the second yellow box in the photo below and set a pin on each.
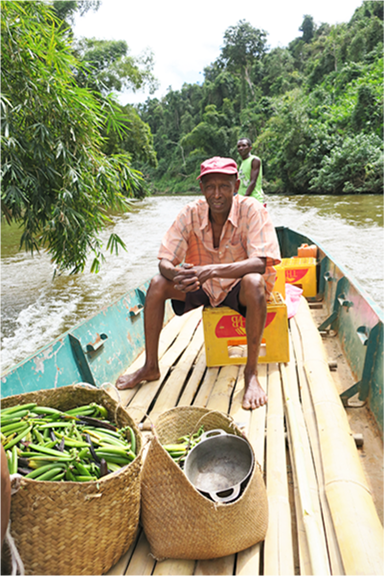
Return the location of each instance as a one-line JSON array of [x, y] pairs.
[[301, 272]]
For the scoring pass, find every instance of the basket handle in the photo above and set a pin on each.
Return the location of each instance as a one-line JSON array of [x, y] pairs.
[[105, 385]]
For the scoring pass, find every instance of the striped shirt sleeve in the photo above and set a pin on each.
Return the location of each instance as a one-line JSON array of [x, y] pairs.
[[175, 241]]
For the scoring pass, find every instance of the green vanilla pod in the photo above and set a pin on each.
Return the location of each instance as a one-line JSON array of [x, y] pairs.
[[17, 438], [11, 410], [43, 469], [49, 474], [133, 439], [49, 451]]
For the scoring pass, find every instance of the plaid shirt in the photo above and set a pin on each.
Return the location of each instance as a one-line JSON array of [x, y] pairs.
[[247, 233]]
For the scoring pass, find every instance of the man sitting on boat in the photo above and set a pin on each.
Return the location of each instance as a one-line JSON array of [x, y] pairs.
[[229, 246]]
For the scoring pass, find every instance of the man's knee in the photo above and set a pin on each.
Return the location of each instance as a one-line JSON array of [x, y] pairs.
[[160, 288], [253, 287], [157, 286]]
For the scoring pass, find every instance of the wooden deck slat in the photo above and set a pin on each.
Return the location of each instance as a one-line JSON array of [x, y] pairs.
[[175, 567], [310, 420], [304, 557], [256, 430], [175, 383], [194, 382], [222, 390], [206, 387], [140, 403], [248, 561], [170, 330], [219, 566], [312, 542], [141, 562], [278, 546]]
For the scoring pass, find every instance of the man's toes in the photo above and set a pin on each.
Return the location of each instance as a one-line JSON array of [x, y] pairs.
[[246, 404]]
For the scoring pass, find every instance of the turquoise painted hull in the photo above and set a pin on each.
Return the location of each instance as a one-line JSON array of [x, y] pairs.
[[101, 347]]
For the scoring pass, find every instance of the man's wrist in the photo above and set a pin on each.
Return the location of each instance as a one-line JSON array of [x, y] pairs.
[[215, 271]]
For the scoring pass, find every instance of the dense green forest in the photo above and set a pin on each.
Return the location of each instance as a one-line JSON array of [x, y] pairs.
[[313, 110]]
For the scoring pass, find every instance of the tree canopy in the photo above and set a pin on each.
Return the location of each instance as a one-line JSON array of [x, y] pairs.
[[309, 109], [59, 181]]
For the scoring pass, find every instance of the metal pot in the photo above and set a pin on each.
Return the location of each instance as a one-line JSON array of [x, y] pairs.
[[219, 464]]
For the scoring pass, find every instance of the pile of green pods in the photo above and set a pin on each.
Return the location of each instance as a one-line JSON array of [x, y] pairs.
[[78, 445]]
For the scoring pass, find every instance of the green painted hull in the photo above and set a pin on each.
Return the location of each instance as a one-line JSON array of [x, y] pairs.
[[100, 348], [354, 316]]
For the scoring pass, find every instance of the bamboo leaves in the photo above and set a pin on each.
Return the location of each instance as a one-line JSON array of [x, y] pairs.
[[56, 180]]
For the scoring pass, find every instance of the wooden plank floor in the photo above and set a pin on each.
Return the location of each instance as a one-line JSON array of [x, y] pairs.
[[185, 380]]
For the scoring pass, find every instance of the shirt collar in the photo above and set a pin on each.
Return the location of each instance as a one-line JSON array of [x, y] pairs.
[[233, 215]]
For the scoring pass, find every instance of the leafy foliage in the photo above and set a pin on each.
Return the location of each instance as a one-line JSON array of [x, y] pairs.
[[355, 166], [108, 66], [56, 181]]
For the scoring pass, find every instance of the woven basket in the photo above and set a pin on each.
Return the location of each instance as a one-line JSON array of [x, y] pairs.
[[74, 527], [179, 522]]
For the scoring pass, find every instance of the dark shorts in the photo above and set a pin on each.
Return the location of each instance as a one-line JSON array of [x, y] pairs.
[[200, 298]]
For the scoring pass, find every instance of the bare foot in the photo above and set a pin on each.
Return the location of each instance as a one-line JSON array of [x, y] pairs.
[[254, 395], [141, 375]]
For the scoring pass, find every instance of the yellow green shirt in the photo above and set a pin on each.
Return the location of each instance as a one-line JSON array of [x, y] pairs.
[[245, 179]]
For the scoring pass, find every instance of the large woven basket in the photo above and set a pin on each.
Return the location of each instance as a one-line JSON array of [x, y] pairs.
[[73, 527], [179, 522]]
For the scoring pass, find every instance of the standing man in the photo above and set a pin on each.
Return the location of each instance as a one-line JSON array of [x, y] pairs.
[[250, 171], [229, 246]]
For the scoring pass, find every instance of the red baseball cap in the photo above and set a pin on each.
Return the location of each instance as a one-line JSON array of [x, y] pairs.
[[217, 164]]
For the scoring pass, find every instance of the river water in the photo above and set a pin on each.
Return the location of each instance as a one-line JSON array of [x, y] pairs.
[[35, 308]]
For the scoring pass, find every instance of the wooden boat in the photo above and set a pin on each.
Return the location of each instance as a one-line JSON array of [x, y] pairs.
[[318, 440]]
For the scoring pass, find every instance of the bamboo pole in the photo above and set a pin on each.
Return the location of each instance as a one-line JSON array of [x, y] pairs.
[[278, 548], [357, 525], [310, 420], [302, 461]]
